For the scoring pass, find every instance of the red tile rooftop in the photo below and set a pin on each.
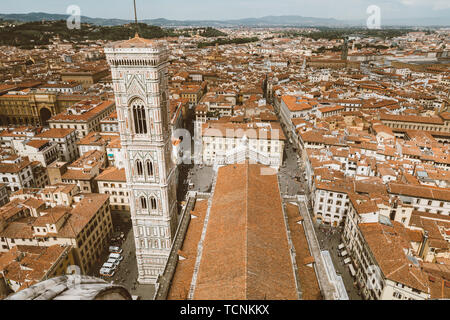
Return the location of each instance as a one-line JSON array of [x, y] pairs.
[[412, 118], [56, 133], [136, 42], [112, 174], [246, 251]]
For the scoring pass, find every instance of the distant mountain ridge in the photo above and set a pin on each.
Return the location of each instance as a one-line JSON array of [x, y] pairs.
[[268, 21]]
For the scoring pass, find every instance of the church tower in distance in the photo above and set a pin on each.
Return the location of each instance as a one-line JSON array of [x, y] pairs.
[[140, 81]]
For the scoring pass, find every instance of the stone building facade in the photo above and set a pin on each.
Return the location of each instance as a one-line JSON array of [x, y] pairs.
[[140, 80]]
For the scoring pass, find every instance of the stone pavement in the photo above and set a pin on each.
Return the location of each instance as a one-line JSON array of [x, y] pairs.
[[287, 174], [329, 239], [202, 177], [127, 272]]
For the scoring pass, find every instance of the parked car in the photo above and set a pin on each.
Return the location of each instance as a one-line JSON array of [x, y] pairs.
[[113, 261], [113, 249], [106, 272], [115, 256], [109, 265]]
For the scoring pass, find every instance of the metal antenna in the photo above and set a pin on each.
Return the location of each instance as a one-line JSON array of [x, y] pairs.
[[135, 16]]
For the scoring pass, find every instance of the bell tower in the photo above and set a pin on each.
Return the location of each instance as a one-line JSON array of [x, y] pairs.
[[140, 81]]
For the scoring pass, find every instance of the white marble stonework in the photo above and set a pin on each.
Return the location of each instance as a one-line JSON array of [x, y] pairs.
[[140, 82]]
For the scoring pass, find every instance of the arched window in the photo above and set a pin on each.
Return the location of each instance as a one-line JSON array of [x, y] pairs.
[[153, 203], [143, 203], [140, 121], [139, 168], [149, 168]]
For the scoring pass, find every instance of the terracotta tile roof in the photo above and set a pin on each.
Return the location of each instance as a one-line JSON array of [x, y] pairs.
[[55, 133], [98, 139], [72, 174], [331, 109], [295, 104], [85, 210], [92, 108], [51, 216], [420, 191], [37, 143], [38, 261], [411, 118], [112, 174], [239, 130], [136, 42], [13, 167], [245, 251], [18, 230], [385, 244]]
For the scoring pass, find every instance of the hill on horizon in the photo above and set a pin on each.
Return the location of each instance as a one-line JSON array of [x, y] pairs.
[[267, 21]]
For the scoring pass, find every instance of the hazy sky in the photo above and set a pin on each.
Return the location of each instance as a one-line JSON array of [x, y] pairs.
[[233, 9]]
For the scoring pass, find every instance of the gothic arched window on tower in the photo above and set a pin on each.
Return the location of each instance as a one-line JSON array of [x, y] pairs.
[[140, 121], [149, 168], [143, 203], [139, 168], [153, 203]]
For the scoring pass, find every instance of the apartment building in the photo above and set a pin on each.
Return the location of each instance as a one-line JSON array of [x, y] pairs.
[[84, 116], [86, 76], [86, 226], [62, 87], [381, 254], [24, 266], [43, 151], [439, 123], [331, 203], [16, 173], [83, 171], [4, 195], [296, 107], [33, 107], [96, 141], [115, 153], [432, 236], [108, 143], [9, 136], [192, 92], [422, 198], [40, 175], [226, 143], [55, 195], [65, 140], [218, 104], [112, 181], [110, 124]]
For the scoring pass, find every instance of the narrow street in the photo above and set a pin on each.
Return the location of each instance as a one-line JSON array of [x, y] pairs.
[[126, 273], [292, 182], [329, 239], [290, 173]]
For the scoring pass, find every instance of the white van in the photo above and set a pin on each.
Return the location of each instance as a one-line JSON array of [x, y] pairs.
[[107, 272], [113, 261], [115, 256], [109, 265]]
